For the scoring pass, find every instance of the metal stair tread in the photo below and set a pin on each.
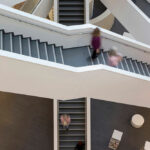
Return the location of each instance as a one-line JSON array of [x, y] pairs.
[[77, 118], [70, 20], [73, 129], [71, 112], [72, 135], [71, 102], [71, 107], [73, 124], [66, 146], [72, 9], [68, 140], [80, 3], [71, 14]]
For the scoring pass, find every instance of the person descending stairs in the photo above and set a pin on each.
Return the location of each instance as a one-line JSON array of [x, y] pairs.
[[75, 109]]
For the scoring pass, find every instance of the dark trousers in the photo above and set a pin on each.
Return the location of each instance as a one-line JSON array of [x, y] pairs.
[[65, 127], [95, 54]]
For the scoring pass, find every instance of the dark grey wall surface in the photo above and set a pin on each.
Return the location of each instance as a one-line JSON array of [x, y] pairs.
[[143, 5], [118, 27], [26, 123], [107, 116], [98, 8]]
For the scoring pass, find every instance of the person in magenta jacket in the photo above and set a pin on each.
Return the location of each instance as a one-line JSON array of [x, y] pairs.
[[96, 43]]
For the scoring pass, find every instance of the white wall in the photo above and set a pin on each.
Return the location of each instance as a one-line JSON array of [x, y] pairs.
[[132, 18], [43, 8], [30, 76], [10, 2]]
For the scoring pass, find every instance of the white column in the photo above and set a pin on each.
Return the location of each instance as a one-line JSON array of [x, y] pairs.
[[55, 123], [56, 10], [86, 11], [88, 117]]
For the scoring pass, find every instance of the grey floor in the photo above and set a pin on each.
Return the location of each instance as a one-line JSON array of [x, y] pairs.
[[107, 116], [26, 123]]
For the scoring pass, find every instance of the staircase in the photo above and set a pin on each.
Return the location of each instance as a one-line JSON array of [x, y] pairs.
[[71, 12], [76, 109], [77, 57]]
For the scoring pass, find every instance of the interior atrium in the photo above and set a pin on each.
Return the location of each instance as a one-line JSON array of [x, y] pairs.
[[75, 75]]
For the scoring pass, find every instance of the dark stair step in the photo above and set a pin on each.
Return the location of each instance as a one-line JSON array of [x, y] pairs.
[[101, 58], [68, 20], [71, 23], [68, 110], [59, 55], [68, 142], [1, 39], [34, 48], [125, 64], [72, 18], [7, 41], [51, 53], [71, 131], [65, 8], [26, 46], [79, 138], [140, 68], [135, 67], [71, 3], [71, 135], [72, 107], [43, 51], [145, 67], [130, 65], [67, 13], [17, 44]]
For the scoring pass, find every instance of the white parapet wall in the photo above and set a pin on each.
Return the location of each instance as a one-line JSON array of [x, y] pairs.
[[48, 31], [31, 76], [132, 18]]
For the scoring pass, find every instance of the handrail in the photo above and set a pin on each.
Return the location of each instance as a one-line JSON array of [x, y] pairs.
[[68, 31]]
